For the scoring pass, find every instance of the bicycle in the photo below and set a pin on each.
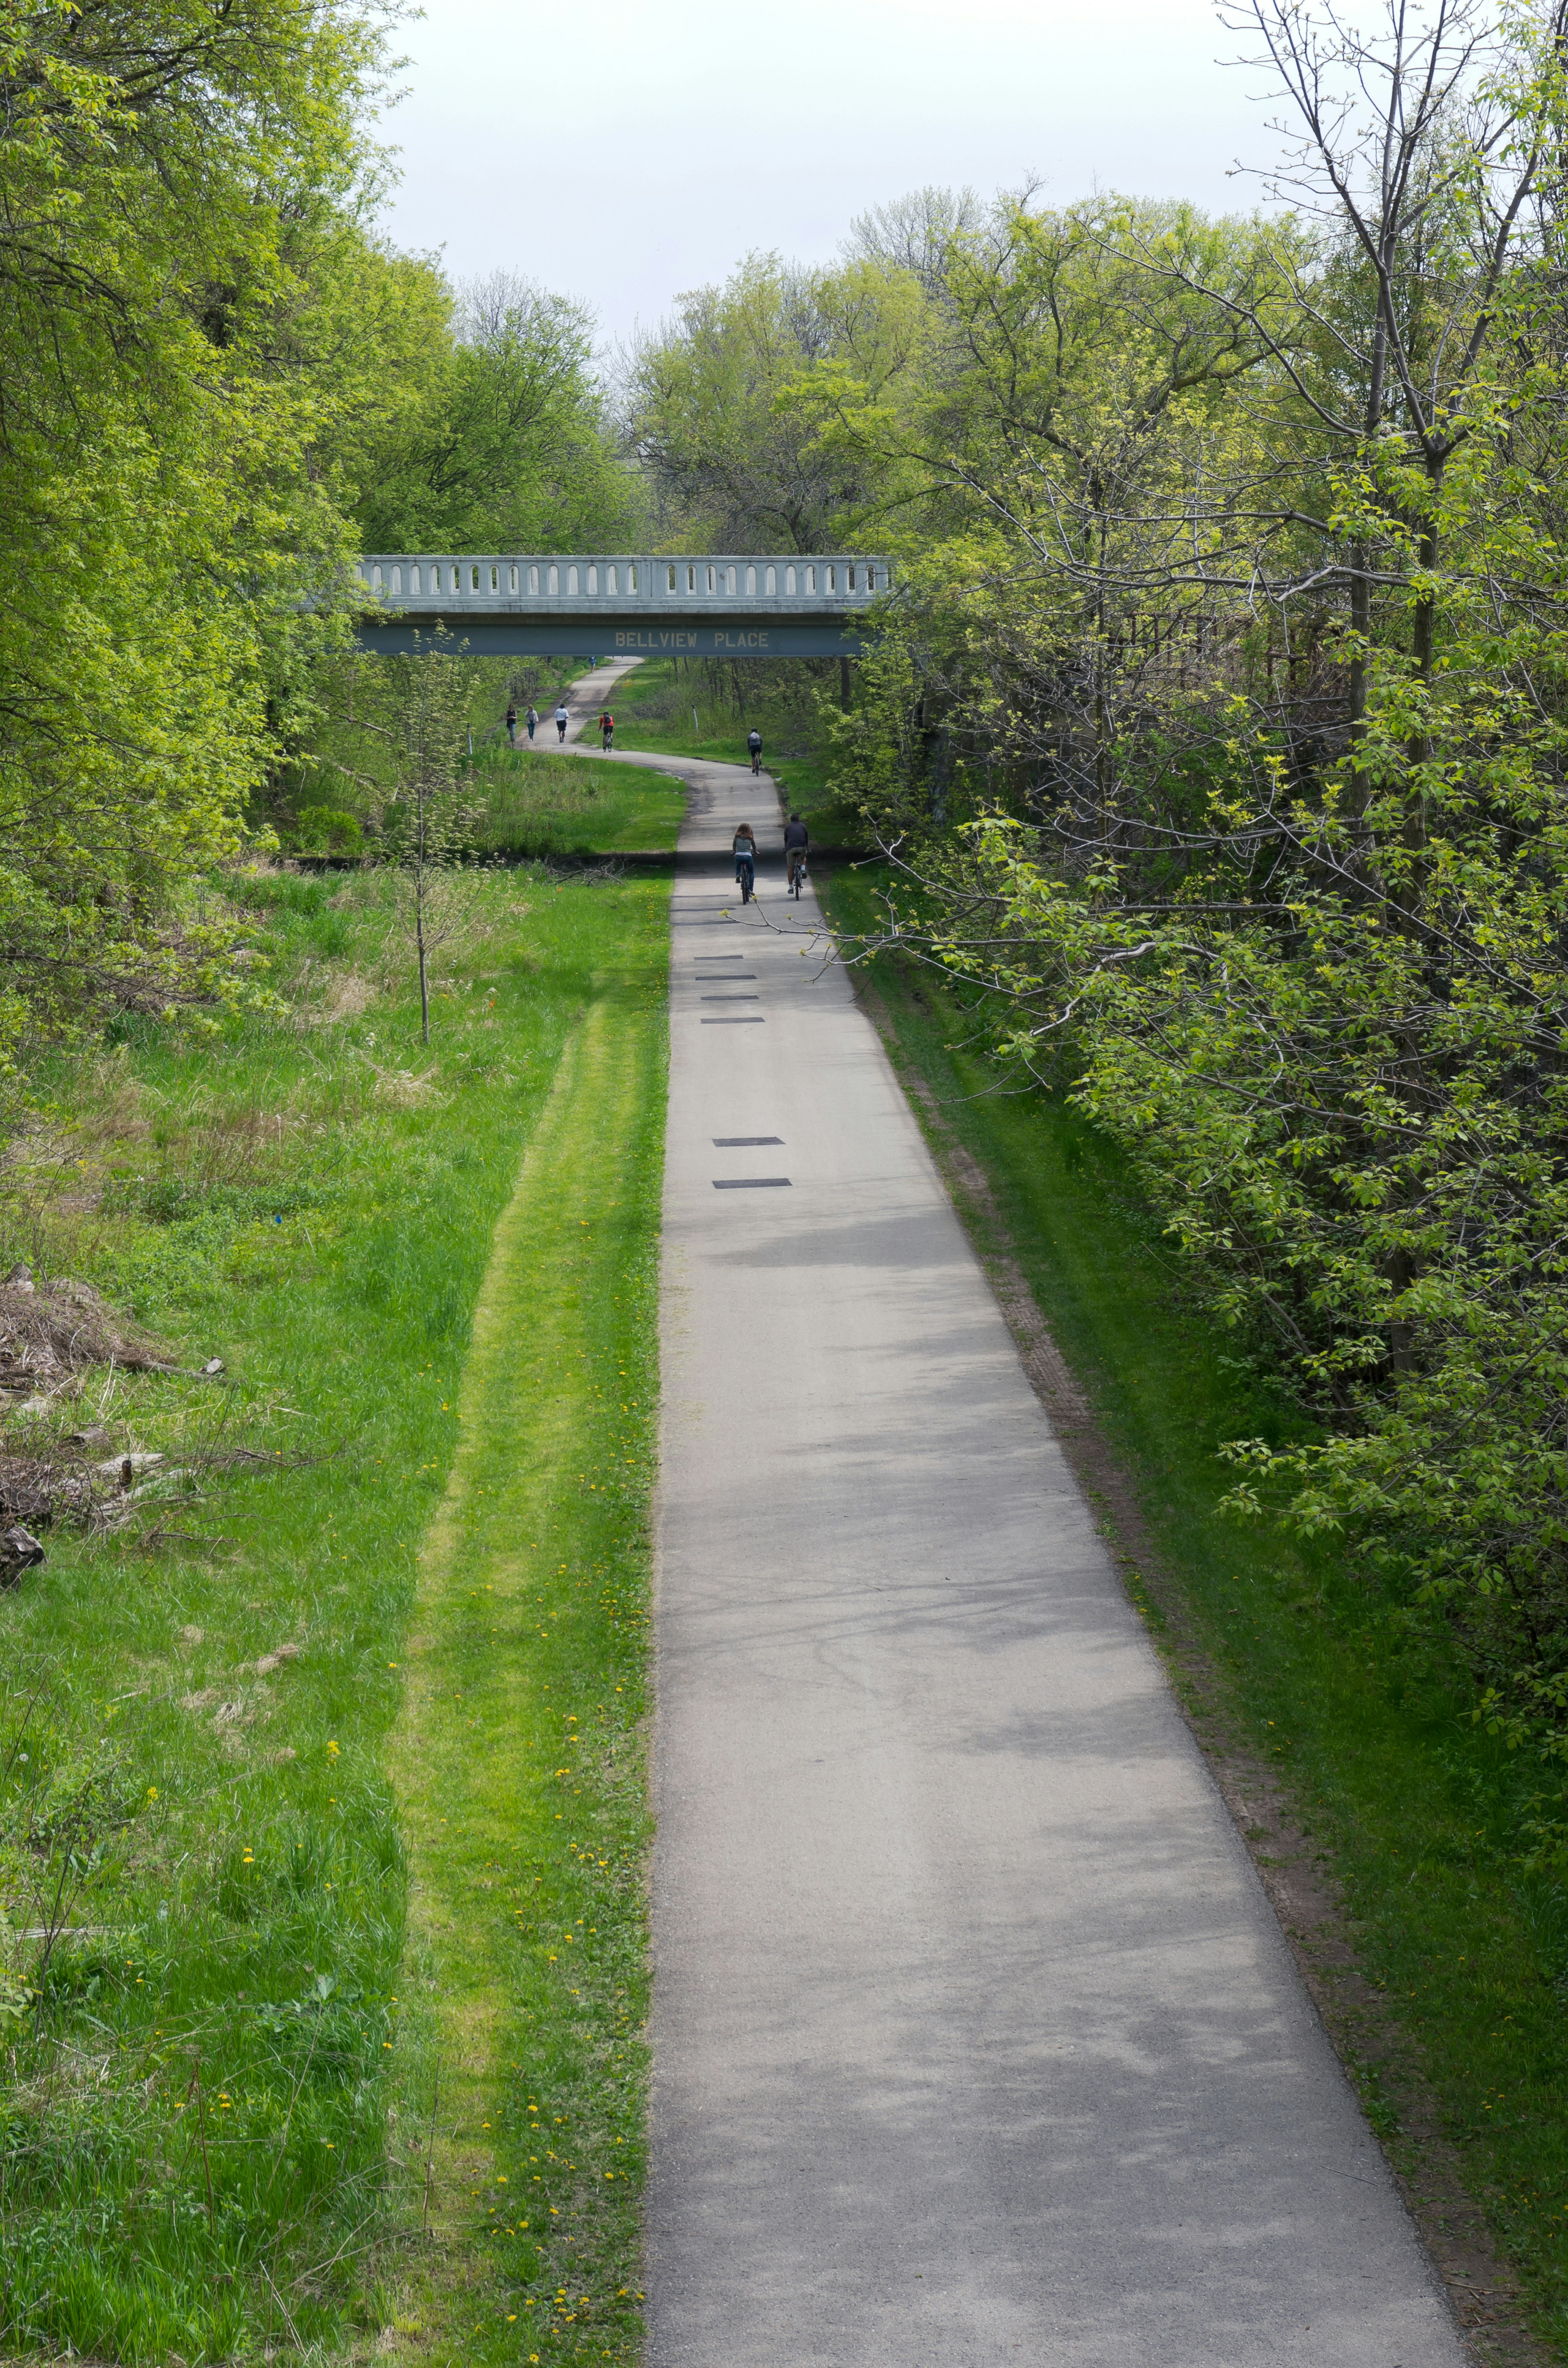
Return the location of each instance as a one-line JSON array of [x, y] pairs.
[[745, 873], [797, 874]]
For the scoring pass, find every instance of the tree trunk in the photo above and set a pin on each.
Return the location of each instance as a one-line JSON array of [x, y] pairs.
[[1360, 585], [424, 977], [1098, 537], [1361, 626], [1423, 635]]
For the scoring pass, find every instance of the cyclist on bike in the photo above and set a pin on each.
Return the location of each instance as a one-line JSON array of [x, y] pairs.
[[746, 861], [754, 742], [797, 838]]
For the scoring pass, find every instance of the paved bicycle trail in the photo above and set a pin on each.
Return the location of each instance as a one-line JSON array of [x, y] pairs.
[[586, 696], [975, 2038]]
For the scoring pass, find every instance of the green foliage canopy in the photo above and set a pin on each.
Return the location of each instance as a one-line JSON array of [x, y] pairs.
[[509, 448], [1220, 728], [174, 188]]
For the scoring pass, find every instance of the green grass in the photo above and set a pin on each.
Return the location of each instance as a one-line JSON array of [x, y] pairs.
[[1325, 1675], [654, 712], [227, 2074], [527, 1680], [540, 804], [350, 773]]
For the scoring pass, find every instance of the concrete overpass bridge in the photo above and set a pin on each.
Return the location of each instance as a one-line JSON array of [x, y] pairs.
[[715, 604]]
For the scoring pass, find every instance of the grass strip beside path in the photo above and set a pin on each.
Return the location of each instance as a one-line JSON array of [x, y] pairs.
[[517, 1758], [538, 803]]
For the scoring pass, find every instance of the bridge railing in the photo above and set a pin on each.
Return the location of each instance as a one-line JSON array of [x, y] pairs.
[[716, 580]]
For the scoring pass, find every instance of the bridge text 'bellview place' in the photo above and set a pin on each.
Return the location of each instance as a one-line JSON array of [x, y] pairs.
[[713, 604]]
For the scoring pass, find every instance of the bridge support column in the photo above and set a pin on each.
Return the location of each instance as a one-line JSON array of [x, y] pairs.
[[843, 684]]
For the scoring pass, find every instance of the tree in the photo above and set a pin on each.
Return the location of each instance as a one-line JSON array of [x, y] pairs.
[[509, 449], [1285, 912], [177, 190], [424, 698], [712, 412], [1417, 146], [916, 234]]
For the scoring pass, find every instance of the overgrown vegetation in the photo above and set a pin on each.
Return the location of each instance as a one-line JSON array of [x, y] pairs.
[[217, 382], [231, 2106], [1320, 1671]]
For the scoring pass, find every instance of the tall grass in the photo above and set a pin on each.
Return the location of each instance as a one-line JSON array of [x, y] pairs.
[[537, 804], [203, 1866]]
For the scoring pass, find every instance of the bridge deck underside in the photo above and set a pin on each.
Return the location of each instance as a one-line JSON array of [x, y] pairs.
[[600, 631]]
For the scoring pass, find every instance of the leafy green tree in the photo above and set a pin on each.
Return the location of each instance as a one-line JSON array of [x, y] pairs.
[[509, 449], [1285, 908], [737, 460], [177, 190]]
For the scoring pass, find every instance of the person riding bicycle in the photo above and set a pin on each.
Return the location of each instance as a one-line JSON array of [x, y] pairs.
[[745, 859], [797, 838], [754, 742], [607, 728]]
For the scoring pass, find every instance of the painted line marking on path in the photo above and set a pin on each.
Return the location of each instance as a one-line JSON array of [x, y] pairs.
[[747, 1183]]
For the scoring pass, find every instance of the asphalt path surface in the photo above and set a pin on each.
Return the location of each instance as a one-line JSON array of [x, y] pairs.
[[976, 2037], [585, 699]]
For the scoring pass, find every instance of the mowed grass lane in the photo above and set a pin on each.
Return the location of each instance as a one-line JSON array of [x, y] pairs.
[[221, 2079], [517, 1756]]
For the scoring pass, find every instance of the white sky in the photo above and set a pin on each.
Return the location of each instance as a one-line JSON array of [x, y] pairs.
[[669, 138]]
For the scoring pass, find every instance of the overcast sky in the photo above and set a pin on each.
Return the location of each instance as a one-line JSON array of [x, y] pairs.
[[672, 137]]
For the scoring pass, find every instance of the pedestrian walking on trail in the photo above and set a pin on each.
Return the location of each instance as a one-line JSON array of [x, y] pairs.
[[746, 861], [531, 719], [512, 722], [607, 728], [563, 718]]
